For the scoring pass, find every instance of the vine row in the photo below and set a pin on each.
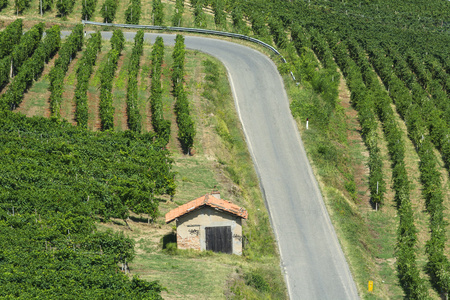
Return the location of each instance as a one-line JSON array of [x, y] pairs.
[[84, 71], [432, 186], [67, 53], [160, 126], [10, 37], [133, 113], [32, 68], [106, 80], [186, 128], [11, 64]]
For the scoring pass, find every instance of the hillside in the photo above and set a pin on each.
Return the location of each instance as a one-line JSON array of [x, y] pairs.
[[373, 81]]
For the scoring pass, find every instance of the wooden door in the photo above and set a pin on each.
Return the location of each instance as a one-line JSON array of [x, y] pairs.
[[218, 239]]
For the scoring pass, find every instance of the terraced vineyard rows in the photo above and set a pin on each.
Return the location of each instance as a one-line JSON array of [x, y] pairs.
[[89, 71]]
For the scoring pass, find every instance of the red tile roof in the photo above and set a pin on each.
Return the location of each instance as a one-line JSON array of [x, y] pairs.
[[208, 200]]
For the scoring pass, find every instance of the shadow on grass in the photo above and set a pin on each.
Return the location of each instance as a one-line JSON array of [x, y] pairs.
[[168, 239], [140, 219]]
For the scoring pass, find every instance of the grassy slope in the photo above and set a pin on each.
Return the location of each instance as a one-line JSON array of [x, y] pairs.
[[367, 237]]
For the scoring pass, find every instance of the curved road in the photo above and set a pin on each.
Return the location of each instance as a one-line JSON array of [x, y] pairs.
[[311, 257]]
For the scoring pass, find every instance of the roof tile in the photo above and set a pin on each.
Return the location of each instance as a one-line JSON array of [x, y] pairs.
[[208, 200]]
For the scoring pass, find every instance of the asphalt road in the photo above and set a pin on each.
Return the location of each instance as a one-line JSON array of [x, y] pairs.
[[311, 257]]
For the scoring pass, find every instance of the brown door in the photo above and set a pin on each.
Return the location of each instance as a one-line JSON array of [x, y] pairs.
[[218, 239]]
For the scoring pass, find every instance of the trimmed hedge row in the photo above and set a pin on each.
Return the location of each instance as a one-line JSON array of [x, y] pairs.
[[133, 12], [410, 279], [20, 53], [278, 32], [65, 7], [220, 19], [68, 51], [84, 72], [157, 12], [108, 11], [10, 37], [160, 126], [199, 14], [32, 68], [363, 101], [133, 113], [178, 14], [21, 5], [237, 16], [410, 110], [186, 126], [88, 9], [106, 80], [438, 72]]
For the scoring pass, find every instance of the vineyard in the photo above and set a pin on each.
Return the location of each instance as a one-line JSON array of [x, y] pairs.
[[99, 99]]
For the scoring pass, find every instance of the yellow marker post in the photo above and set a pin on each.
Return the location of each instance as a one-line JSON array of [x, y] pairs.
[[370, 285]]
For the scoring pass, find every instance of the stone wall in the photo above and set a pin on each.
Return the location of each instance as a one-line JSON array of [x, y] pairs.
[[191, 228]]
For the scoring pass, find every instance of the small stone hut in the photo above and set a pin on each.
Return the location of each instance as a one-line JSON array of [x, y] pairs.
[[209, 223]]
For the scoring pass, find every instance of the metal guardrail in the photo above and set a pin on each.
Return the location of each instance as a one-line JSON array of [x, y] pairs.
[[194, 30]]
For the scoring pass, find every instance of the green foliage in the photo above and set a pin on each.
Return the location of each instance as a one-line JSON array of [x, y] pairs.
[[133, 113], [259, 27], [117, 40], [133, 12], [178, 14], [48, 235], [408, 107], [364, 103], [219, 15], [46, 5], [108, 10], [238, 22], [10, 37], [106, 80], [64, 7], [68, 51], [256, 280], [70, 169], [21, 5], [178, 56], [32, 69], [84, 71], [20, 53], [43, 254], [106, 109], [171, 248], [186, 126], [161, 126], [157, 12], [26, 47], [278, 33], [199, 15], [88, 9]]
